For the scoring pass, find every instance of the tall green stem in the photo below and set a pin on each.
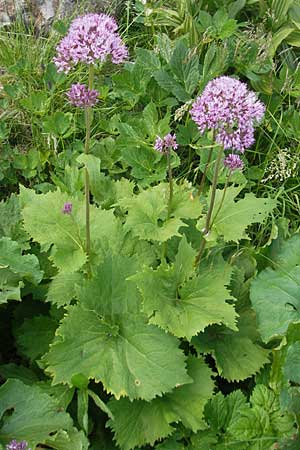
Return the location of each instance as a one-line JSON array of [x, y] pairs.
[[211, 205], [222, 199], [206, 165], [205, 172], [88, 122]]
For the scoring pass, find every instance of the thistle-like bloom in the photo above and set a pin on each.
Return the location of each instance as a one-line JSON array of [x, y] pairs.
[[91, 38], [67, 209], [166, 144], [81, 96], [231, 110], [14, 445], [233, 162]]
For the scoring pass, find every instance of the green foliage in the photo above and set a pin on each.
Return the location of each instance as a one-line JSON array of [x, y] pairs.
[[275, 292], [254, 425], [140, 422], [237, 356], [292, 362], [133, 359], [108, 340], [35, 335], [15, 269], [184, 304], [35, 415], [148, 212], [59, 124], [64, 233], [234, 217], [127, 339]]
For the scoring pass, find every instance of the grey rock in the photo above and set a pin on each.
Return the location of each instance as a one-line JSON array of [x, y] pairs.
[[41, 13]]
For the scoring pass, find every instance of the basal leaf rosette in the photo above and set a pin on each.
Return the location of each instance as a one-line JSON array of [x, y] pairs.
[[106, 341], [139, 422]]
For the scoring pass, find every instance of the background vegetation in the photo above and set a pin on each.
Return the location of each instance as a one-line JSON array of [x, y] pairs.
[[247, 396]]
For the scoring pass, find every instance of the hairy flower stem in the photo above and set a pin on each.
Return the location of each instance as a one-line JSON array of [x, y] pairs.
[[88, 121], [170, 176], [211, 206]]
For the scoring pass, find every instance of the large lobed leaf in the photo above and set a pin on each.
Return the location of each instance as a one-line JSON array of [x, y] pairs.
[[136, 359], [139, 422], [237, 356], [185, 304], [275, 293], [35, 335], [251, 426], [65, 233], [14, 268], [33, 415], [148, 212], [231, 217], [106, 339]]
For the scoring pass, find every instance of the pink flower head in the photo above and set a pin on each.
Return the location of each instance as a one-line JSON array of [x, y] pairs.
[[81, 96], [91, 38], [165, 144], [14, 445], [231, 110], [233, 162], [67, 209]]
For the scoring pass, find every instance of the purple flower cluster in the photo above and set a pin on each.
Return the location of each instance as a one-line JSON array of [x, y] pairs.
[[14, 445], [231, 110], [91, 38], [67, 209], [81, 96], [165, 144], [233, 162]]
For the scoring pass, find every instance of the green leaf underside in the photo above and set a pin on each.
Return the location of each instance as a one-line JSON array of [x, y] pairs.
[[34, 414], [234, 217], [187, 306], [138, 423], [147, 212], [237, 357]]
